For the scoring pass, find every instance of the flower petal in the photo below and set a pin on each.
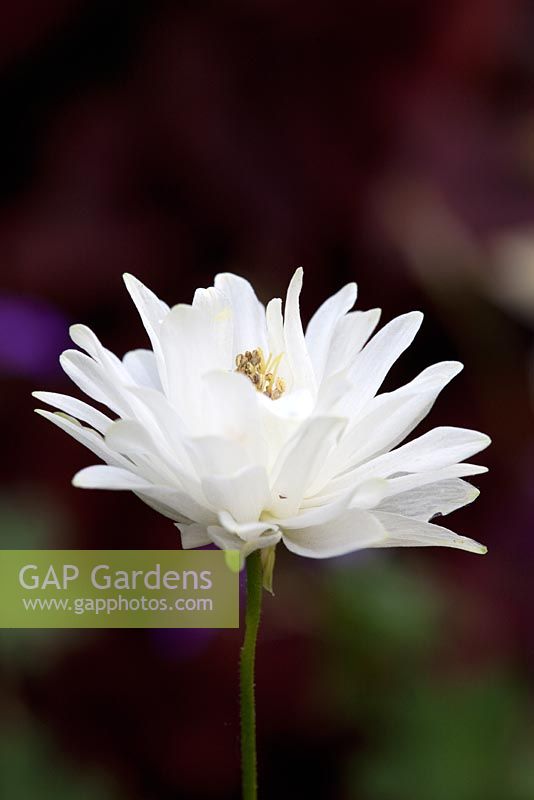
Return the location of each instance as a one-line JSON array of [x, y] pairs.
[[151, 455], [213, 455], [321, 327], [182, 504], [245, 530], [426, 502], [230, 541], [373, 363], [75, 408], [86, 436], [248, 313], [352, 531], [101, 476], [229, 408], [188, 354], [152, 311], [405, 483], [405, 532], [193, 536], [388, 419], [275, 326], [244, 495], [219, 317], [438, 448], [142, 368], [350, 335], [302, 374], [93, 380], [85, 338], [300, 462]]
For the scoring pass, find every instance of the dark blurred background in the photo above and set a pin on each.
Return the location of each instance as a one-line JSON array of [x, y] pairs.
[[391, 143]]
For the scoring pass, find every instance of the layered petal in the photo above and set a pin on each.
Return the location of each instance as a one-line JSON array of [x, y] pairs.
[[321, 466], [406, 532], [249, 327], [76, 408], [142, 368], [322, 326], [354, 530], [373, 363], [152, 311], [300, 462], [300, 365], [244, 495], [388, 419], [425, 502]]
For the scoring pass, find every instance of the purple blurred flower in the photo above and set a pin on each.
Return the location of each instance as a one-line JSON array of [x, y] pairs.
[[32, 334]]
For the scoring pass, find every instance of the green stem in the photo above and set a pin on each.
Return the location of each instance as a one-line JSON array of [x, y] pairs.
[[248, 655]]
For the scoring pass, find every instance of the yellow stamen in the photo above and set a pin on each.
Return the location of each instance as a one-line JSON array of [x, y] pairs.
[[263, 374]]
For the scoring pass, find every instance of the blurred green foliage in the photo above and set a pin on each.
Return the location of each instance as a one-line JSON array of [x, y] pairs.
[[31, 767], [467, 740], [418, 733], [30, 519]]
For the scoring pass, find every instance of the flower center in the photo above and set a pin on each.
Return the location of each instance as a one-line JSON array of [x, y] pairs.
[[263, 374]]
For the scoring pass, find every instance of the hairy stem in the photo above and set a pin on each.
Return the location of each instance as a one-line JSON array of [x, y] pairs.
[[248, 656]]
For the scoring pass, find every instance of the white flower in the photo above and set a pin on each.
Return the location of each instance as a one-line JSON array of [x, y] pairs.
[[245, 431]]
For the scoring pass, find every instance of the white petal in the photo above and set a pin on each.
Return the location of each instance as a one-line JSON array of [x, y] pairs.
[[354, 530], [105, 477], [171, 502], [230, 541], [300, 365], [152, 311], [85, 338], [158, 500], [188, 354], [105, 379], [315, 515], [192, 347], [248, 313], [332, 389], [245, 530], [389, 418], [219, 317], [438, 448], [426, 502], [193, 536], [151, 454], [142, 368], [300, 462], [275, 327], [244, 495], [369, 493], [395, 485], [93, 380], [213, 455], [350, 335], [229, 408], [318, 510], [373, 363], [156, 411], [183, 504], [321, 327], [129, 437], [405, 483], [75, 408], [406, 532], [86, 436]]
